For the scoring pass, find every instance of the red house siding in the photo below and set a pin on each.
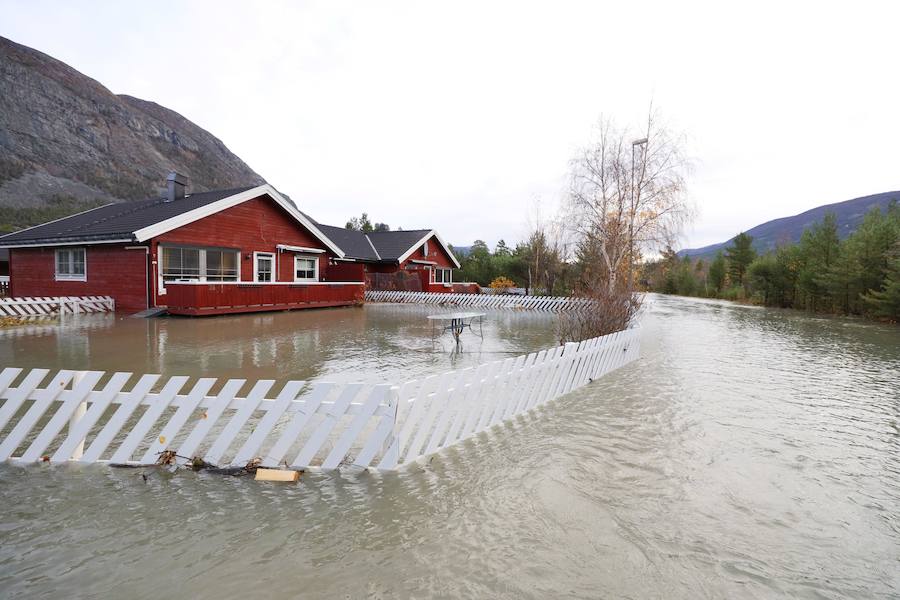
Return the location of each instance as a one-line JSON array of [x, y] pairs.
[[436, 254], [111, 271], [415, 270], [256, 225], [128, 276]]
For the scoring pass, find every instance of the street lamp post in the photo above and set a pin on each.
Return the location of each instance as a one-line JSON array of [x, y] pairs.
[[643, 143]]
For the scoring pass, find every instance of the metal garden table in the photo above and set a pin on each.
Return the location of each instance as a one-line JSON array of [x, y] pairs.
[[457, 323]]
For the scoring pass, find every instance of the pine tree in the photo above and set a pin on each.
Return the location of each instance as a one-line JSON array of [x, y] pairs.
[[819, 251], [740, 254], [885, 302], [717, 273]]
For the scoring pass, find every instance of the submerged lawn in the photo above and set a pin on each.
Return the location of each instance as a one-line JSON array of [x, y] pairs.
[[378, 342]]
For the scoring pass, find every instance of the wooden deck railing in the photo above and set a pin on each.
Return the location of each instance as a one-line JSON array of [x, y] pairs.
[[97, 417], [196, 299]]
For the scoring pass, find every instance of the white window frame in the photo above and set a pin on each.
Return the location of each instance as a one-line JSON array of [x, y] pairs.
[[204, 265], [448, 274], [271, 256], [161, 286], [315, 260], [68, 276], [425, 248]]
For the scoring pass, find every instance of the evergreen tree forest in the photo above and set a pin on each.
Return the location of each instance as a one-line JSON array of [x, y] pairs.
[[859, 275]]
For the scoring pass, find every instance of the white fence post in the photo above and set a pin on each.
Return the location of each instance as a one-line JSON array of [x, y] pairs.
[[78, 452]]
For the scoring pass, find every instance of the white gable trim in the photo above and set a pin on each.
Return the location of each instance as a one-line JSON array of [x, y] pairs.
[[371, 245], [423, 240], [142, 235]]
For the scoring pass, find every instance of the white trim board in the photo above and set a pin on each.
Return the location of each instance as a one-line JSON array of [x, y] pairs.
[[274, 271], [287, 248], [425, 239]]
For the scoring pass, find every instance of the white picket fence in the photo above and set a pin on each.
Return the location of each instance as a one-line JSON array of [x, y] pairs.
[[440, 411], [307, 424], [46, 306], [546, 303]]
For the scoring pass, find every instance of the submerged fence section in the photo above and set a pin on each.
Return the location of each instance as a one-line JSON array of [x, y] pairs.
[[440, 411], [92, 416], [546, 303], [47, 306]]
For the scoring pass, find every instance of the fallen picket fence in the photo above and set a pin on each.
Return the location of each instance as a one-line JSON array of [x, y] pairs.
[[55, 305], [545, 303], [307, 424]]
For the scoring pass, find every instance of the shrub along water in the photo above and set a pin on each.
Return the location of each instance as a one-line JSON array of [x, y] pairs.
[[859, 275]]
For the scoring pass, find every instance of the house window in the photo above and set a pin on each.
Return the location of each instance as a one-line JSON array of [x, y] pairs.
[[199, 264], [263, 267], [425, 248], [439, 275], [221, 265], [181, 263], [306, 268], [71, 264]]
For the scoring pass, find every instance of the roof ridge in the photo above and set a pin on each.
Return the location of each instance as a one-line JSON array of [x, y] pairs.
[[368, 239]]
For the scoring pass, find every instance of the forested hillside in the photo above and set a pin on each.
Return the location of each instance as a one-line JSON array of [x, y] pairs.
[[858, 275]]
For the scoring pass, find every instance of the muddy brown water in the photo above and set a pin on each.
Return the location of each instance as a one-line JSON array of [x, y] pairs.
[[749, 453]]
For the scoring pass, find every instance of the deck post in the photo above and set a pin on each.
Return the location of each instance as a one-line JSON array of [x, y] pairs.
[[77, 415]]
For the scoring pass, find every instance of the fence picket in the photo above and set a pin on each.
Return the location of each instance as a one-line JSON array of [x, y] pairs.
[[61, 416], [247, 408], [93, 414], [301, 417], [340, 449], [44, 400], [212, 414], [250, 448], [148, 419], [382, 431], [320, 435]]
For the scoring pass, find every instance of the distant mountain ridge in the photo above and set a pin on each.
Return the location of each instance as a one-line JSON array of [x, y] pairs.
[[771, 234], [67, 141]]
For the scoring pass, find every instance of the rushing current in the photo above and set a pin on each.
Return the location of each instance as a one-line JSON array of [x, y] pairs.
[[750, 453]]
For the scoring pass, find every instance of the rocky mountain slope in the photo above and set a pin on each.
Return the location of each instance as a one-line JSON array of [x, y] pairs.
[[67, 143], [770, 234]]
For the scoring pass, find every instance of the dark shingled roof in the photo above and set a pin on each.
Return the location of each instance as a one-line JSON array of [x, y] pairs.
[[391, 245], [114, 221], [355, 244]]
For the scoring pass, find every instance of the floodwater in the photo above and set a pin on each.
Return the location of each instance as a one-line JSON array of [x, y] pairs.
[[375, 343], [750, 453]]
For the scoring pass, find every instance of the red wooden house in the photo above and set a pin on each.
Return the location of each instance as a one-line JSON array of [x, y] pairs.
[[397, 258], [215, 252]]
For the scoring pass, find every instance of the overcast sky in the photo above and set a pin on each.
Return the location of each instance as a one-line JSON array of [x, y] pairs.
[[461, 116]]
